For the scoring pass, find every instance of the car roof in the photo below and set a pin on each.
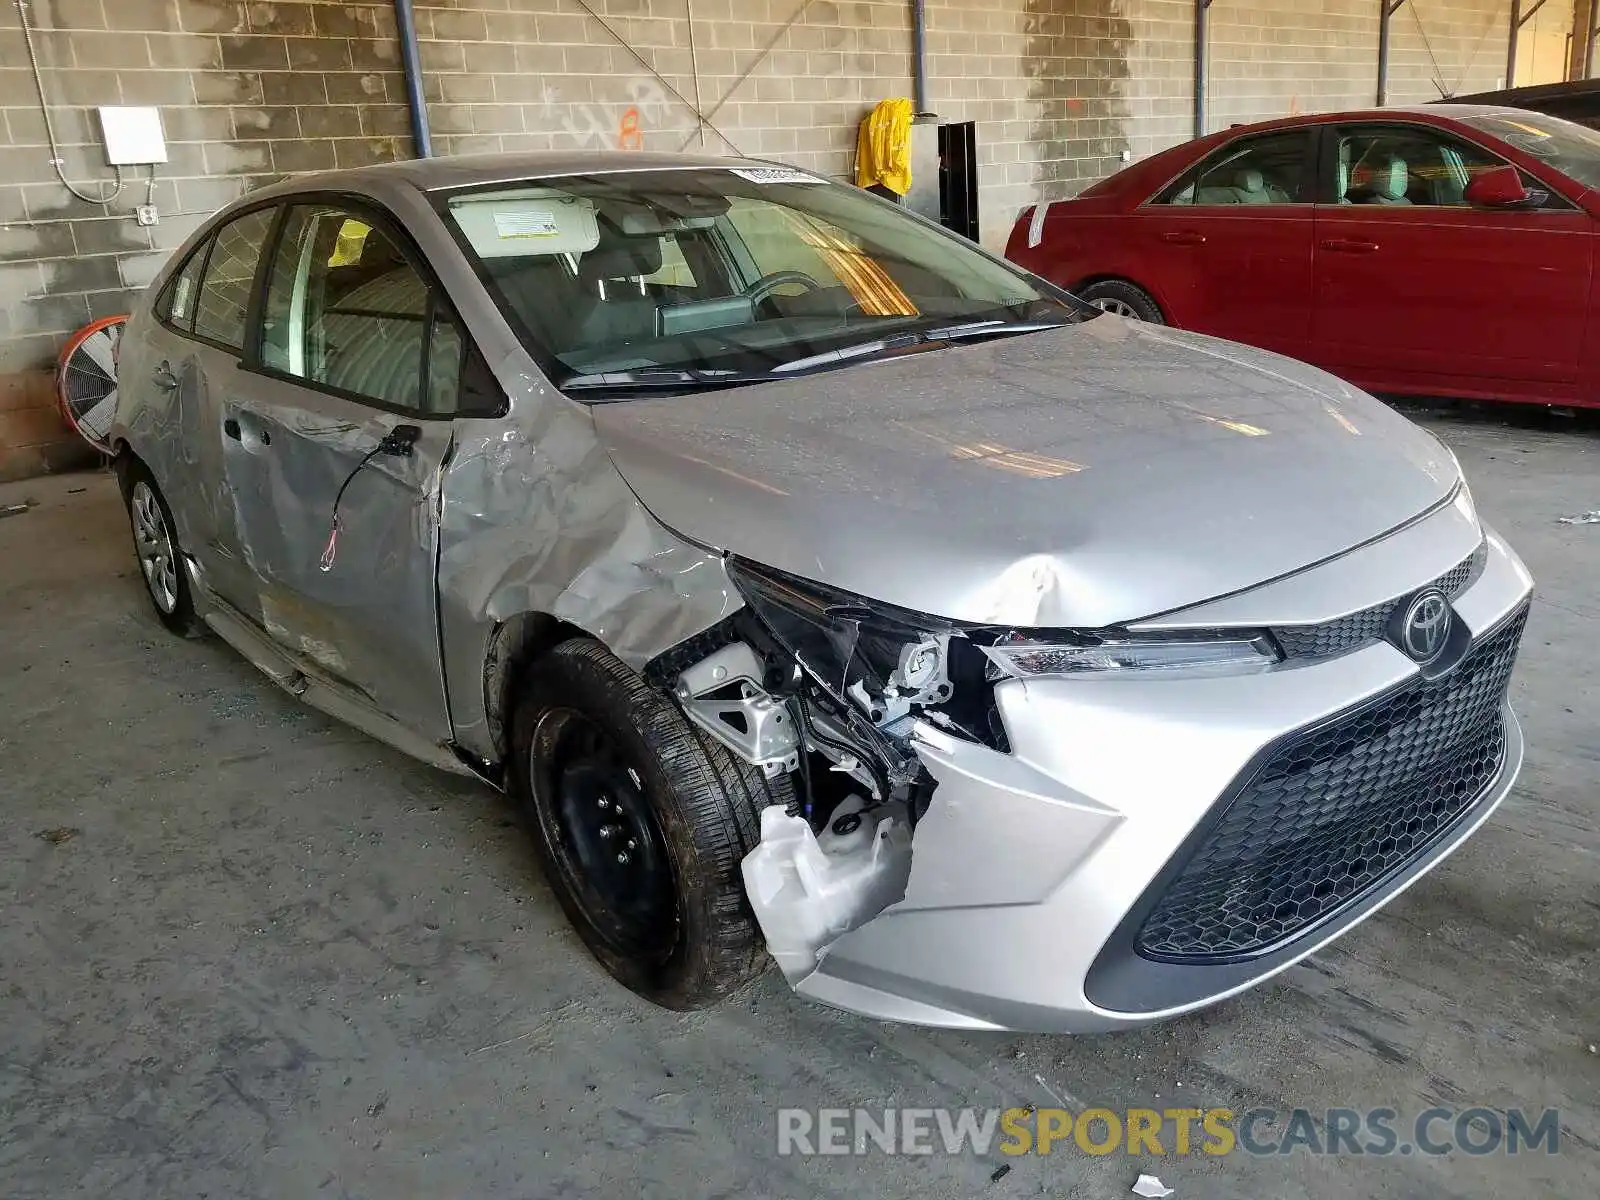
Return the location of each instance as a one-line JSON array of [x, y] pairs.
[[470, 170], [1430, 113], [1571, 89]]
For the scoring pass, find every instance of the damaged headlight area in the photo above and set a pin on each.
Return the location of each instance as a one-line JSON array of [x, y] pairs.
[[811, 680], [808, 669], [1017, 657]]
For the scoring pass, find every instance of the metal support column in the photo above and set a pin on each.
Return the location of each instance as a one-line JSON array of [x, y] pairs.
[[406, 26], [1202, 48], [1519, 18], [1386, 12], [1592, 20], [919, 58]]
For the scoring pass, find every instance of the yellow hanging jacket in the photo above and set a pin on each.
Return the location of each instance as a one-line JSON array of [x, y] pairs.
[[883, 147]]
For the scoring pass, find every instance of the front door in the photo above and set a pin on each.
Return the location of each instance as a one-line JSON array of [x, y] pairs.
[[339, 440], [1417, 287], [1230, 243]]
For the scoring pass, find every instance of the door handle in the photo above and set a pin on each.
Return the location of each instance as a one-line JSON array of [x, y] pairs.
[[400, 441], [1184, 237], [163, 377], [1349, 246]]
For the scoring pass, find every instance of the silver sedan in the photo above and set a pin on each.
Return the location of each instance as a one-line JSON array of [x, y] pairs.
[[828, 590]]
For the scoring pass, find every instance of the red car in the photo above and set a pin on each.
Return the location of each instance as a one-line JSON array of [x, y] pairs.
[[1415, 251]]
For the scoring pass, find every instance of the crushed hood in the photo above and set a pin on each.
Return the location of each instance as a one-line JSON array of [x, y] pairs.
[[1083, 477]]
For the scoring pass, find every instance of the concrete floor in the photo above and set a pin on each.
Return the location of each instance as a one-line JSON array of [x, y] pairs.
[[247, 952]]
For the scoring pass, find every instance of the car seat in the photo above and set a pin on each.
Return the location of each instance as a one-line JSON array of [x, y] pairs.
[[1384, 184], [615, 309]]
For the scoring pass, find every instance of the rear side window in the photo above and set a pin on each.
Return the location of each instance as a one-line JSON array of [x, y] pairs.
[[1262, 170], [224, 299], [177, 304]]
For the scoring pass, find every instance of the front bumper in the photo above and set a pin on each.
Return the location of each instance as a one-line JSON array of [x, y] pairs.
[[1031, 871]]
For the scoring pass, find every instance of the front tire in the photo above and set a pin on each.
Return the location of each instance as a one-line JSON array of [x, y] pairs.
[[1124, 299], [155, 542], [641, 823]]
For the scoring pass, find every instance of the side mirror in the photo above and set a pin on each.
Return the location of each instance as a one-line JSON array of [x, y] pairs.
[[1499, 187]]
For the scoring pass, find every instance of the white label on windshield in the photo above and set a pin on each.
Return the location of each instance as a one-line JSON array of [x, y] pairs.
[[774, 175], [527, 223]]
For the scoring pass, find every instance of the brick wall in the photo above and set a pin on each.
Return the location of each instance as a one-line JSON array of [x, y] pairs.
[[250, 91]]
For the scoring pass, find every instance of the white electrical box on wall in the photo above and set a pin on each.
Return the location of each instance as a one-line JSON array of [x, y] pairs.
[[133, 135]]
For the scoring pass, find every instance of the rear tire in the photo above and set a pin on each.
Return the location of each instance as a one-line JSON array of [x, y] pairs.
[[641, 823], [155, 542], [1124, 299]]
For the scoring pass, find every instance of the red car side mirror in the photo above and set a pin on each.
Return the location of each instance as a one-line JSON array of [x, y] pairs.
[[1499, 187]]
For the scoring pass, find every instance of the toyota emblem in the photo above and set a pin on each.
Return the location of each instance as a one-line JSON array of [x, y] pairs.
[[1425, 628]]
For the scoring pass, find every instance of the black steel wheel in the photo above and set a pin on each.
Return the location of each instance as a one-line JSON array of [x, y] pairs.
[[641, 823], [603, 834]]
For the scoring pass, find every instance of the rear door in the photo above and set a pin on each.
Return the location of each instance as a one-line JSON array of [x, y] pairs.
[[341, 527], [1229, 244], [1415, 287], [194, 359]]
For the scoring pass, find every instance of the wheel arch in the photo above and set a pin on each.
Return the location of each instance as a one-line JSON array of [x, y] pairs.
[[514, 645]]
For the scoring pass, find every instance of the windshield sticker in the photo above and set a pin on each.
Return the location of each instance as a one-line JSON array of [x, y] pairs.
[[768, 175], [528, 223]]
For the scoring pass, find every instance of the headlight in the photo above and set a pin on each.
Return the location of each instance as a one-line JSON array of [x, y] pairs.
[[842, 639], [1020, 659], [846, 640]]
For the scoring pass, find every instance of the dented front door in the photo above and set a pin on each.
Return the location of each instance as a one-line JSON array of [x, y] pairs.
[[334, 452], [352, 591]]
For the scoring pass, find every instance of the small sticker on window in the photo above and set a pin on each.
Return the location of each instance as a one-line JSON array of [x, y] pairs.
[[526, 223], [768, 175]]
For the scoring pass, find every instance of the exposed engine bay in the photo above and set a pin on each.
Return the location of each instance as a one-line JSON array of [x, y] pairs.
[[839, 692], [819, 684]]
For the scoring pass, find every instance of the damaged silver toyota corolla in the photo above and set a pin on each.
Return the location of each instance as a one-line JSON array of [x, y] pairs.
[[824, 585]]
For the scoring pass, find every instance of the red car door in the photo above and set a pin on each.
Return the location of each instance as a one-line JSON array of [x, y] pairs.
[[1228, 247], [1416, 290]]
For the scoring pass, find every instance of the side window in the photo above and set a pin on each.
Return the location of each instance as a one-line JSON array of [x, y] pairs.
[[1261, 170], [445, 349], [1395, 165], [177, 304], [346, 310], [224, 298], [778, 239]]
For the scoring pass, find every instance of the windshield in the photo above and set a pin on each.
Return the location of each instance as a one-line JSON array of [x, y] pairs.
[[1574, 150], [705, 277]]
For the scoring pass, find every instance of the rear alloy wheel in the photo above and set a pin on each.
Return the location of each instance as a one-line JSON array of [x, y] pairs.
[[155, 541], [641, 823], [1124, 299]]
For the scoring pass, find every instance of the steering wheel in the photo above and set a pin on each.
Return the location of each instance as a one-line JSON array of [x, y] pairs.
[[763, 288]]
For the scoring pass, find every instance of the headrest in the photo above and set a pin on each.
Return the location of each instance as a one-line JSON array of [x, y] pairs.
[[1392, 179], [1251, 181], [618, 256]]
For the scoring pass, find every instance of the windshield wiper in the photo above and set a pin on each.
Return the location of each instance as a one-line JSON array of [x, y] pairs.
[[977, 329], [896, 342], [669, 379], [655, 379]]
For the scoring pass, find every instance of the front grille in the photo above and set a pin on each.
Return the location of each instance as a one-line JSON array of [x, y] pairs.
[[1337, 810], [1358, 629]]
